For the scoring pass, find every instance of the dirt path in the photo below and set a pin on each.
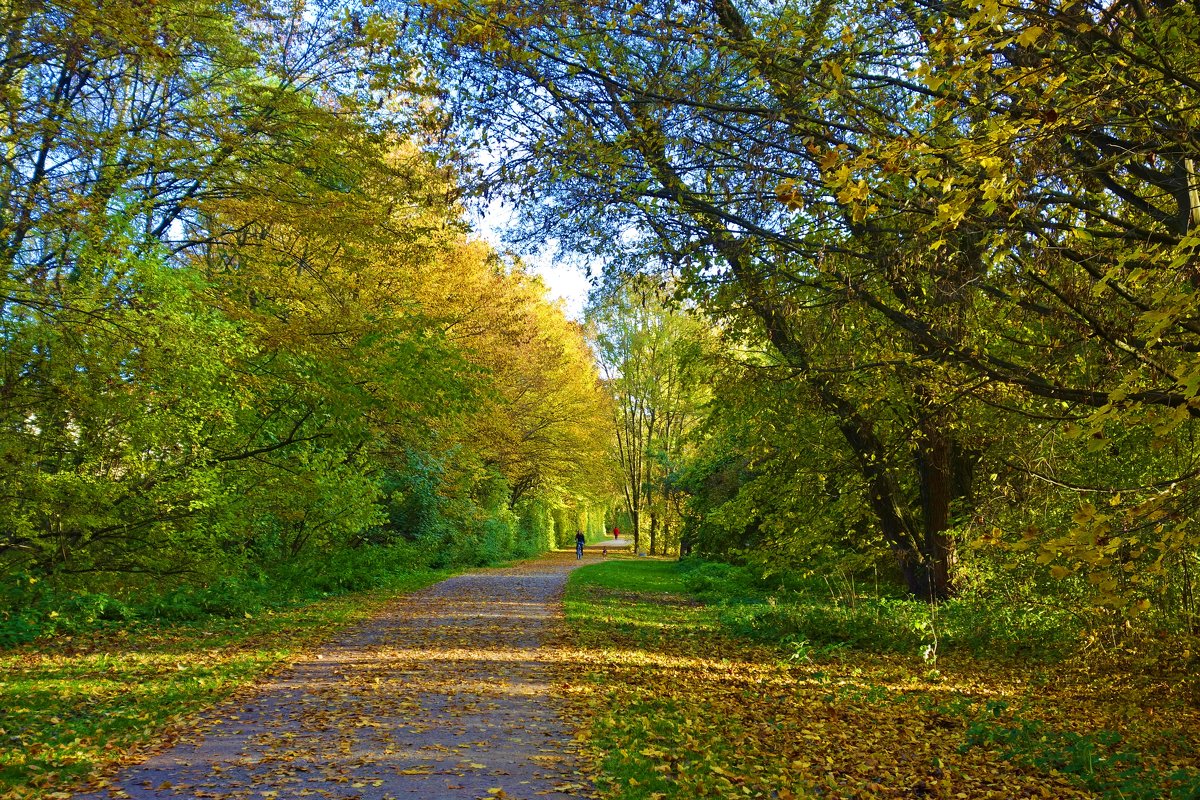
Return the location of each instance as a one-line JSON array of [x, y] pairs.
[[609, 544], [446, 694]]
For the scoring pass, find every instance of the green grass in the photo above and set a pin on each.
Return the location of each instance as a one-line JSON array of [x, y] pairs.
[[643, 576], [642, 600], [810, 616], [680, 700], [73, 706]]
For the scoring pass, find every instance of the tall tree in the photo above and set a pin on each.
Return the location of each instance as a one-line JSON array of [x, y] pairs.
[[695, 165], [901, 159], [652, 358], [542, 418]]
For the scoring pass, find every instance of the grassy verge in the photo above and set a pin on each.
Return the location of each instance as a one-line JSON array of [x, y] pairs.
[[680, 703], [72, 706]]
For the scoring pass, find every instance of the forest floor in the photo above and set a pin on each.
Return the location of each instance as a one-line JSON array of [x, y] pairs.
[[479, 687], [679, 707]]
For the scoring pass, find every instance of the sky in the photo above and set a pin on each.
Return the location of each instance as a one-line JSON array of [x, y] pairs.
[[565, 278]]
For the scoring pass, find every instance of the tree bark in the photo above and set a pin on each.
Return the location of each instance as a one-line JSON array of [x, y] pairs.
[[653, 530], [935, 469]]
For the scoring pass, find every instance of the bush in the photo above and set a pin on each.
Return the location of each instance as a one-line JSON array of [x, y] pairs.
[[425, 531], [18, 628], [715, 580], [1010, 628], [230, 596], [788, 609], [498, 539], [880, 625], [30, 608]]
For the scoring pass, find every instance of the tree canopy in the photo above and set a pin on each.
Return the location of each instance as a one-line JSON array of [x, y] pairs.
[[972, 266], [243, 319]]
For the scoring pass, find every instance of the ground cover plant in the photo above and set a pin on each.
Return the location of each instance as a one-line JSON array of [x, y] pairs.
[[678, 702], [74, 705]]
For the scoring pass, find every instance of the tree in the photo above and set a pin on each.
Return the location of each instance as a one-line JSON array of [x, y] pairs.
[[698, 174], [902, 161], [652, 357], [541, 419]]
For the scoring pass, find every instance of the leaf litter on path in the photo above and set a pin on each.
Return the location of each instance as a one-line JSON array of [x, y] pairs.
[[448, 692]]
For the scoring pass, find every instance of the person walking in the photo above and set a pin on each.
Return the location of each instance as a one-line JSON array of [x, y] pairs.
[[579, 544], [616, 533]]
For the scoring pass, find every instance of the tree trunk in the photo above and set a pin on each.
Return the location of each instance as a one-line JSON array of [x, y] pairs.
[[935, 468], [923, 550]]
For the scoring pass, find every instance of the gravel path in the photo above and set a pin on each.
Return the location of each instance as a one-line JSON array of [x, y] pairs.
[[446, 694]]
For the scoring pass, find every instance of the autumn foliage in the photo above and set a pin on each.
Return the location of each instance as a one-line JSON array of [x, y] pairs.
[[245, 328], [948, 251]]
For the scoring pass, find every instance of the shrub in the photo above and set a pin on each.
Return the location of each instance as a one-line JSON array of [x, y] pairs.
[[716, 580], [788, 609], [1001, 627]]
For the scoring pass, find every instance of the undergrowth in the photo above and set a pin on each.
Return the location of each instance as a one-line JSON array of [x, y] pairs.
[[1097, 760], [809, 614], [32, 608], [688, 696]]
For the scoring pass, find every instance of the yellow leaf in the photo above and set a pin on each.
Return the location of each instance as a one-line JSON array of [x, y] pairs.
[[1030, 35]]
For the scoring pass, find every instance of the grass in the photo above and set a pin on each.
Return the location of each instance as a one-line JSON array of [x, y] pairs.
[[677, 699], [679, 702], [644, 576], [72, 707], [812, 614]]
